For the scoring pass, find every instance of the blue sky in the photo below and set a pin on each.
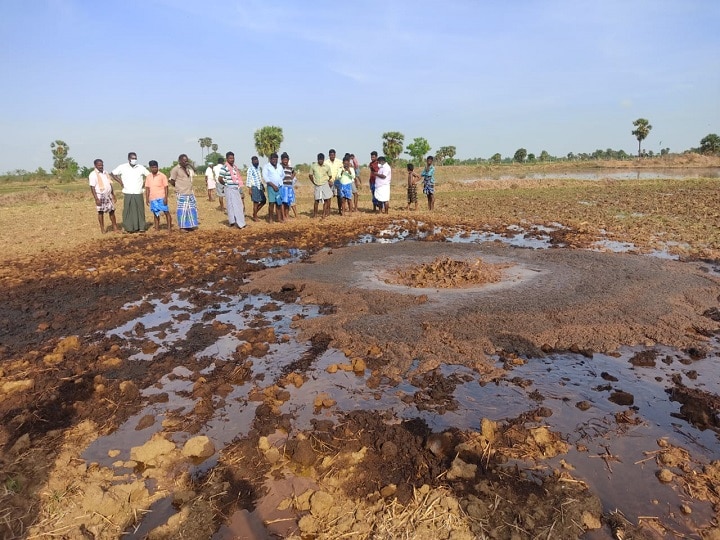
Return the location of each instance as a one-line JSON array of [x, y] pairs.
[[153, 76]]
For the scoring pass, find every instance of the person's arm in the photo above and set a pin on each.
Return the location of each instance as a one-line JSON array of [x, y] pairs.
[[147, 195], [118, 179], [171, 180], [94, 194], [165, 199]]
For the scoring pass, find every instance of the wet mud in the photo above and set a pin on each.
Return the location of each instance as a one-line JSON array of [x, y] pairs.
[[381, 384]]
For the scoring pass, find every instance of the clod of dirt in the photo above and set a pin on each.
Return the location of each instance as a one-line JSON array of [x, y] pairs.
[[448, 273], [199, 447], [644, 358], [624, 399]]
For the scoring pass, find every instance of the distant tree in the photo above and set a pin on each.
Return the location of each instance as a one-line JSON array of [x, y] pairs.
[[622, 154], [214, 147], [544, 156], [531, 157], [59, 151], [84, 172], [40, 172], [641, 131], [418, 149], [212, 158], [571, 156], [664, 151], [710, 144], [392, 144], [520, 155], [63, 165], [496, 158], [268, 140], [443, 153]]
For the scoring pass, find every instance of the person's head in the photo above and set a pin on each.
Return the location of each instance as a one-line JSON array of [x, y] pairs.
[[230, 158], [381, 160], [183, 160], [284, 159], [321, 158], [411, 167], [132, 158], [429, 160], [153, 165], [346, 162], [255, 161], [99, 164], [373, 156], [331, 154], [273, 159], [352, 156]]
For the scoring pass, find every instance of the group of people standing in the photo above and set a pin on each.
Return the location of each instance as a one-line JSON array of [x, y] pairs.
[[142, 187], [331, 178]]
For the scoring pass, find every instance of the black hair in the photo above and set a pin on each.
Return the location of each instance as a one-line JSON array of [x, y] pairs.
[[273, 155], [373, 153], [332, 151], [95, 162], [321, 156], [153, 163], [228, 154], [132, 154], [411, 167], [284, 155]]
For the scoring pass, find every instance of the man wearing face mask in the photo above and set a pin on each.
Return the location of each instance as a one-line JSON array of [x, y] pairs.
[[131, 177]]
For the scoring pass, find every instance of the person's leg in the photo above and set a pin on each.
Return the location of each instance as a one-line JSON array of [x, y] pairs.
[[101, 221], [168, 220], [156, 221], [271, 210], [113, 221], [210, 194], [222, 205], [315, 208]]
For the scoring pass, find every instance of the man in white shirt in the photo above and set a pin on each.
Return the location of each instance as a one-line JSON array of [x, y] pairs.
[[131, 177], [274, 175], [219, 188], [210, 181], [102, 191], [382, 185]]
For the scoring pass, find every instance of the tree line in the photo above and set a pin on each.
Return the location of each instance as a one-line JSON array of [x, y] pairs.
[[268, 140]]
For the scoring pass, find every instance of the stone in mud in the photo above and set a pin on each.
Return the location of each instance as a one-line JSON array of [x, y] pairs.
[[389, 450], [53, 359], [22, 444], [590, 521], [198, 447], [129, 390], [488, 429], [665, 475], [388, 491], [149, 452], [145, 422], [332, 368], [358, 365], [70, 343], [11, 387], [303, 453], [460, 469], [583, 405], [624, 399], [321, 502]]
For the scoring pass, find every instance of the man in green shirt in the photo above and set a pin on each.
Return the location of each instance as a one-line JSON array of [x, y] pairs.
[[322, 179]]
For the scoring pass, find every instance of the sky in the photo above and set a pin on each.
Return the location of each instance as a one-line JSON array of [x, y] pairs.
[[153, 76]]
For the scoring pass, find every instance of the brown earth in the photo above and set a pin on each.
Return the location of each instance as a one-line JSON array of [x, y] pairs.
[[63, 382]]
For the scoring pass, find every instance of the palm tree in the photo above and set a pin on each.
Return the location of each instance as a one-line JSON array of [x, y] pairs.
[[641, 131], [392, 144], [214, 147], [268, 140]]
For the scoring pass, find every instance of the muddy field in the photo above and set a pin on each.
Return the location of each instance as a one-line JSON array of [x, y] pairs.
[[362, 378]]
